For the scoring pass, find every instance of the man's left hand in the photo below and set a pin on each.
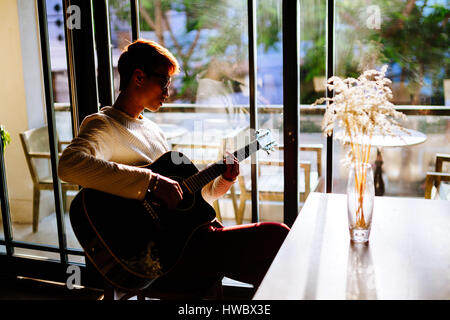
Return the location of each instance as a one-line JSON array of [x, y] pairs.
[[232, 170]]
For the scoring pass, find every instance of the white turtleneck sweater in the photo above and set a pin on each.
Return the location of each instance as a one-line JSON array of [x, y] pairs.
[[108, 151]]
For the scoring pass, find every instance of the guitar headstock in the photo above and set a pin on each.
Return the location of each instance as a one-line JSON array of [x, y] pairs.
[[265, 140]]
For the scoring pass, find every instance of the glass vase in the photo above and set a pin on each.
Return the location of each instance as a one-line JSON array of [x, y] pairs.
[[360, 198]]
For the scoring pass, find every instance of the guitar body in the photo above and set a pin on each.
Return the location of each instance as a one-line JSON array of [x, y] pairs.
[[114, 231]]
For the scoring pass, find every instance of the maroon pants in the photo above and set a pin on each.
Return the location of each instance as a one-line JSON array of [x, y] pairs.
[[242, 253]]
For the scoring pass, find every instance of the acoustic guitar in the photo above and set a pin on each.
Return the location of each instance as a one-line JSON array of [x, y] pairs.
[[132, 243]]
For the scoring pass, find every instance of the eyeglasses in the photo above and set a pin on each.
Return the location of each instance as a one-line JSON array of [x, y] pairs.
[[165, 79]]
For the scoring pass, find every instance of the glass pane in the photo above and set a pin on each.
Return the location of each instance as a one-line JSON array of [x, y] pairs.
[[55, 25], [269, 101], [72, 241], [63, 115], [77, 259], [36, 254], [209, 98], [405, 168], [30, 187], [411, 38], [312, 51], [2, 250], [120, 28], [27, 158], [312, 86]]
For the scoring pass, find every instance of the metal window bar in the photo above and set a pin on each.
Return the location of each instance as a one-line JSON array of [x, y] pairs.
[[43, 269], [275, 108], [304, 109], [7, 230], [51, 123], [71, 76], [291, 110], [330, 72], [81, 62], [135, 27], [251, 12], [41, 247], [104, 55]]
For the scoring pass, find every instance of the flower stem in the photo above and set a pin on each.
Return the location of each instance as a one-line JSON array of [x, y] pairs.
[[360, 186]]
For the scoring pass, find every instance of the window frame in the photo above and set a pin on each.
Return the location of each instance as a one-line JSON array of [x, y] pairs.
[[86, 98]]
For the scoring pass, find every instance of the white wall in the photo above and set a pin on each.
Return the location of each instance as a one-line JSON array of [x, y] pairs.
[[31, 62], [21, 102]]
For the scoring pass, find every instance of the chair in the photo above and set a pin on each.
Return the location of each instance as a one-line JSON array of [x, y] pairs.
[[434, 189], [271, 184], [36, 146]]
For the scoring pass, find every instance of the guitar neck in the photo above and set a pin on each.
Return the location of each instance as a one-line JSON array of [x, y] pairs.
[[203, 177]]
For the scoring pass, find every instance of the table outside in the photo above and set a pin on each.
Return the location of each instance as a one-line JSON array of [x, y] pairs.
[[402, 139], [408, 255], [408, 138]]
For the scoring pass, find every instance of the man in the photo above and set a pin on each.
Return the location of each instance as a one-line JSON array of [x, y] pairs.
[[114, 142]]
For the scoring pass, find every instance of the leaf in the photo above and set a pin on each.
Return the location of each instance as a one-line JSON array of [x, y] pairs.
[[6, 138]]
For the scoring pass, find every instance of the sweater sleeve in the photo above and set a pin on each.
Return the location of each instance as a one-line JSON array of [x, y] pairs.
[[86, 162], [216, 189]]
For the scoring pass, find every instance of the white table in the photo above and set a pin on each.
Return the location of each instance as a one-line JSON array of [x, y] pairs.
[[408, 138], [400, 139], [408, 255]]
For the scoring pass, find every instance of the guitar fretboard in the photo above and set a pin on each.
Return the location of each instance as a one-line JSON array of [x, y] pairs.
[[203, 177]]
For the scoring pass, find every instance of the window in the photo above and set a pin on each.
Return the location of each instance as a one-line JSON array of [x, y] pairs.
[[230, 79], [411, 37], [33, 228]]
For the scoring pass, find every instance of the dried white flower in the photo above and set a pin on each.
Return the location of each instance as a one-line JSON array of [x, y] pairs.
[[361, 107]]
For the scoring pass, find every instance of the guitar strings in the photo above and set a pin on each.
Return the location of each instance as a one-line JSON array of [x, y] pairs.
[[203, 177]]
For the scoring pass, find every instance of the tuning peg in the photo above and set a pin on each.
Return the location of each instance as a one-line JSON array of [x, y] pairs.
[[261, 133]]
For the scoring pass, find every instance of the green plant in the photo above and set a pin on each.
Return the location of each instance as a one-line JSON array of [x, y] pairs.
[[212, 28], [6, 138], [412, 37]]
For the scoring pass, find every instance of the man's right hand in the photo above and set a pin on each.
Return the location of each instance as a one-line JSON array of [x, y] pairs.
[[167, 190]]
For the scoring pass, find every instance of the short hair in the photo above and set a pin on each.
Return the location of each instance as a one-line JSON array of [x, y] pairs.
[[146, 55]]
